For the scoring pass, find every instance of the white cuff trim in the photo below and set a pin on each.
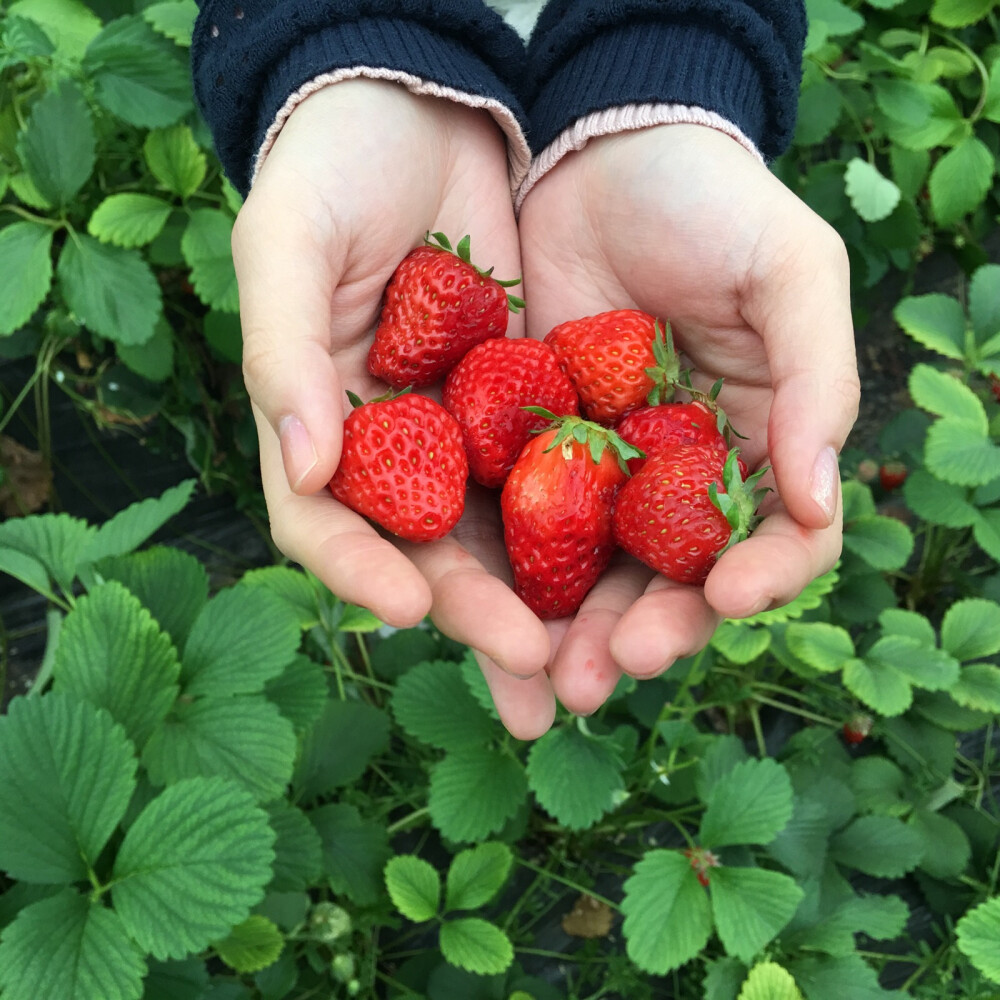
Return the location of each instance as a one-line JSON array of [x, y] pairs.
[[518, 152], [626, 118]]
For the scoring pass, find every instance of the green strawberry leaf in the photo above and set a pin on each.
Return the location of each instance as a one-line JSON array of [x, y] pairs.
[[668, 920], [109, 289], [72, 947], [414, 887], [113, 655], [175, 159], [576, 778], [355, 852], [69, 772], [977, 934], [749, 805], [201, 852], [751, 906], [476, 876], [477, 946], [474, 792], [129, 220], [26, 263], [252, 945], [58, 145]]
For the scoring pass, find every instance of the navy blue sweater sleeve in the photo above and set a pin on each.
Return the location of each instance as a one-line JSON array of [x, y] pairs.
[[739, 58], [248, 56]]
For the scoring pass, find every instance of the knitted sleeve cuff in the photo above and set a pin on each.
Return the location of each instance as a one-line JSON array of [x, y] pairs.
[[625, 119], [739, 60], [247, 60], [518, 152]]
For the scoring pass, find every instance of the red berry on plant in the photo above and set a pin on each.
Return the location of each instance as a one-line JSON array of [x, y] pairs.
[[684, 508], [437, 306], [487, 392], [857, 728], [892, 475], [557, 513], [403, 466]]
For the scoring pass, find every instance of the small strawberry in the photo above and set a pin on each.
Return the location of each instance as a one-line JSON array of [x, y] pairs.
[[892, 475], [486, 392], [684, 508], [701, 860], [403, 466], [653, 429], [437, 306], [556, 506], [618, 361], [857, 728]]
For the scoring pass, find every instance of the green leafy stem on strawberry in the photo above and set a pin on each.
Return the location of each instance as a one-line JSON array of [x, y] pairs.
[[463, 251]]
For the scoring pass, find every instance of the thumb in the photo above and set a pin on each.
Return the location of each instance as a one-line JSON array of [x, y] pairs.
[[800, 305], [286, 285]]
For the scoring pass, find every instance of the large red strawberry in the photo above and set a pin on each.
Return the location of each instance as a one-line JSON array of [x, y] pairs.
[[557, 507], [684, 508], [403, 466], [436, 307], [618, 361], [487, 391]]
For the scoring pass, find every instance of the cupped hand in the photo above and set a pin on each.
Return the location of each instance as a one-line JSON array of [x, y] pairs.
[[359, 173], [682, 222]]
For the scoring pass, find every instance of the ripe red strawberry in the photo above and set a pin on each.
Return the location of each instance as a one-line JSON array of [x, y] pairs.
[[556, 506], [486, 392], [653, 429], [618, 361], [857, 728], [437, 306], [684, 508], [403, 466], [892, 475]]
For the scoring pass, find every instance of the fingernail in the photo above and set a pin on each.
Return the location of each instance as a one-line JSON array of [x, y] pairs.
[[297, 450], [824, 482]]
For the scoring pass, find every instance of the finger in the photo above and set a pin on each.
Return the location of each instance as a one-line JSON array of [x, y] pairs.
[[339, 546], [474, 607], [286, 278], [773, 566], [799, 302], [584, 672], [527, 707], [670, 621]]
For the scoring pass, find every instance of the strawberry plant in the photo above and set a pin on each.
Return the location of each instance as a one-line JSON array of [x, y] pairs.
[[115, 225], [246, 789]]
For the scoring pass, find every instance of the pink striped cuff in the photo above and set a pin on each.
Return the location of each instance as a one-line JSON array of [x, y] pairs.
[[518, 152], [626, 118]]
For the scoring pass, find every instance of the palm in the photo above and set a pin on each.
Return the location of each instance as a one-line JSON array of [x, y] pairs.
[[681, 222], [360, 172]]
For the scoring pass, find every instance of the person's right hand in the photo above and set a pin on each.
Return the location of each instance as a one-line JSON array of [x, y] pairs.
[[360, 172]]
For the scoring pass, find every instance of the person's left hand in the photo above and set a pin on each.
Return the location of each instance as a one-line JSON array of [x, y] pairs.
[[682, 222]]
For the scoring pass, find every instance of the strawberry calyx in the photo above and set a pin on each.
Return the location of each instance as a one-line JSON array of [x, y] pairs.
[[710, 400], [463, 251], [738, 499], [357, 401], [666, 373], [596, 438]]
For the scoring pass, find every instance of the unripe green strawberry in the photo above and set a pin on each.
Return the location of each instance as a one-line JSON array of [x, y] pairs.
[[684, 508], [487, 392], [437, 306], [403, 466], [557, 507]]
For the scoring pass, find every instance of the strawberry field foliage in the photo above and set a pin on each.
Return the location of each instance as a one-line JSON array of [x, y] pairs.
[[256, 792]]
